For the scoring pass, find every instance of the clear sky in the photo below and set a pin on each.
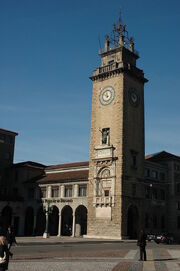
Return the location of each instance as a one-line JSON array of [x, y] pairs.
[[48, 50]]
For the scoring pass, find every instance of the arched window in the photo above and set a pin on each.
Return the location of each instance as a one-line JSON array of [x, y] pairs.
[[105, 173]]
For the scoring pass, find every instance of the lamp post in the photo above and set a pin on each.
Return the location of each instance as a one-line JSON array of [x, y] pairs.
[[151, 192], [47, 211], [151, 198]]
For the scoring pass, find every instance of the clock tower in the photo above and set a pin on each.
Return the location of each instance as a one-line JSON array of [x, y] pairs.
[[116, 167]]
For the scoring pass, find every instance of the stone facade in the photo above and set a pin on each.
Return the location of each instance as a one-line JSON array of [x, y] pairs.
[[40, 188]]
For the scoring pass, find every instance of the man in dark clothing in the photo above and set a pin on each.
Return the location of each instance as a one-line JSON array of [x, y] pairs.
[[10, 239], [142, 245]]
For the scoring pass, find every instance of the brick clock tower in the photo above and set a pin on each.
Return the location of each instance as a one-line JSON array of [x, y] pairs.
[[116, 167]]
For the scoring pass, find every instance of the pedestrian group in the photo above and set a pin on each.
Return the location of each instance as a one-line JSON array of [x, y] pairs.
[[6, 241]]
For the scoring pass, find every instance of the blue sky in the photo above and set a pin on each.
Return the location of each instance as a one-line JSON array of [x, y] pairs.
[[49, 49]]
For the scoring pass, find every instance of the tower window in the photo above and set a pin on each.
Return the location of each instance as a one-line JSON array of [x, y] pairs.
[[106, 193], [105, 135], [111, 61]]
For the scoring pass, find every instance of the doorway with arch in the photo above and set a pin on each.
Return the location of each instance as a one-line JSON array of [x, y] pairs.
[[132, 222]]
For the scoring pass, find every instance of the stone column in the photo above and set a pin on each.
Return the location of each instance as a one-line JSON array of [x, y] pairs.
[[59, 194], [78, 230], [46, 233], [76, 190], [59, 227], [62, 191], [49, 191], [73, 225]]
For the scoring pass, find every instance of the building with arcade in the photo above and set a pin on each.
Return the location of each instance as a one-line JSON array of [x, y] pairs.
[[119, 190]]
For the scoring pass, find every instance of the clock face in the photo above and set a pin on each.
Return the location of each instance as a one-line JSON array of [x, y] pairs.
[[133, 97], [107, 95]]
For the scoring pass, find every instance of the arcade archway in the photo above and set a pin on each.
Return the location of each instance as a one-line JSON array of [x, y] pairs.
[[54, 221], [40, 222], [81, 220], [29, 221], [6, 217], [67, 220], [132, 222]]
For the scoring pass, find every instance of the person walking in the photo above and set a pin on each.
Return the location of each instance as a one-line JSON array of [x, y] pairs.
[[142, 245], [4, 254], [10, 236]]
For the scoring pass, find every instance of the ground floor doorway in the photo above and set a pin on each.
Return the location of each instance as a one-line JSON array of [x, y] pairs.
[[132, 222]]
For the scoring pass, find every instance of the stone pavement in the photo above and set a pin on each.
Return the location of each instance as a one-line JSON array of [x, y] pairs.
[[158, 259], [57, 240]]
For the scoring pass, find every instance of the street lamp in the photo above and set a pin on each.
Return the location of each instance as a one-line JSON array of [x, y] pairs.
[[47, 210]]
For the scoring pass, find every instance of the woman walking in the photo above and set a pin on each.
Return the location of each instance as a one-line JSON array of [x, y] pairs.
[[4, 254]]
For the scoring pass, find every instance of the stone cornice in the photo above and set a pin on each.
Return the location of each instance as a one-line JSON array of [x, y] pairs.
[[115, 69]]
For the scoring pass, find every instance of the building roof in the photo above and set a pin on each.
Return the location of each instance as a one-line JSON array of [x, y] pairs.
[[8, 132], [64, 176], [34, 179], [29, 164], [161, 156], [69, 165]]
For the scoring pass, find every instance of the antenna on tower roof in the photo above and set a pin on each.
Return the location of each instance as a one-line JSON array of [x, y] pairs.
[[119, 37], [99, 43], [120, 16]]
